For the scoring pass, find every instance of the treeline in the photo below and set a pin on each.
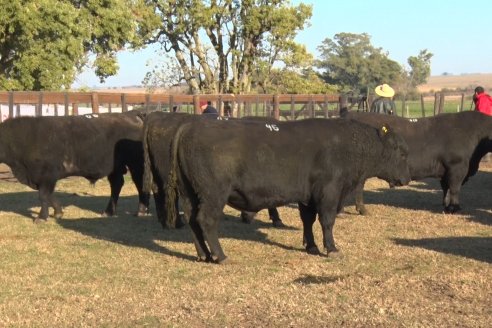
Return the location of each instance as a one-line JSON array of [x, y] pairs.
[[212, 46]]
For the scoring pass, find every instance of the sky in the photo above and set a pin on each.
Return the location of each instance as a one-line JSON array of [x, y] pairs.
[[457, 33]]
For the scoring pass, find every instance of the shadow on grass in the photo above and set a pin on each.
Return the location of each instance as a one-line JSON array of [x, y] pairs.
[[319, 280], [427, 195], [129, 230], [144, 232], [477, 248]]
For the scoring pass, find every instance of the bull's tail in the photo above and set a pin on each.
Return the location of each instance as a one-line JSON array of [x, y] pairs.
[[147, 174], [172, 180]]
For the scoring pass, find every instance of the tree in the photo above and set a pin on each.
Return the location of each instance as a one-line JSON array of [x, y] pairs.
[[351, 62], [219, 43], [43, 43], [419, 68]]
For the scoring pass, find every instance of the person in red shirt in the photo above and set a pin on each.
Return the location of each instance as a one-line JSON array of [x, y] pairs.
[[483, 102]]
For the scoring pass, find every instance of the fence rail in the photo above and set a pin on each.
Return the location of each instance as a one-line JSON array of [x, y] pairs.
[[286, 106]]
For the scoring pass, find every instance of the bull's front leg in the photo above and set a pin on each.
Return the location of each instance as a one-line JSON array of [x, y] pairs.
[[47, 199], [360, 207], [308, 216]]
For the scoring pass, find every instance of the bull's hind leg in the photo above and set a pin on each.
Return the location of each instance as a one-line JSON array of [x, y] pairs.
[[327, 215], [275, 217], [143, 197], [208, 218], [308, 216], [202, 251], [116, 182]]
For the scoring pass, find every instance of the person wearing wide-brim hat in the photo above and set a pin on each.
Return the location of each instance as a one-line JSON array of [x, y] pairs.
[[384, 104]]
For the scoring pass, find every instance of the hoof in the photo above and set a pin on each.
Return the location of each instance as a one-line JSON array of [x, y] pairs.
[[334, 254], [140, 214], [39, 220], [313, 250], [58, 215], [224, 260], [362, 211], [180, 222], [203, 259], [278, 224], [451, 209], [107, 214]]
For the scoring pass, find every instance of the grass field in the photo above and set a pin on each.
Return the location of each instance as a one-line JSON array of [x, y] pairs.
[[405, 265]]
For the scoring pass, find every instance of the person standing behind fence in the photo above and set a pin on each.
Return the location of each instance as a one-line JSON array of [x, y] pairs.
[[208, 109], [384, 104], [482, 101]]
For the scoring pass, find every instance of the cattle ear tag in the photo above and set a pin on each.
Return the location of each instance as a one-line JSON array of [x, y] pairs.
[[385, 129]]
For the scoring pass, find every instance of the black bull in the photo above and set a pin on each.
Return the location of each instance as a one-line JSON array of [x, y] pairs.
[[252, 165], [159, 129], [42, 150], [448, 147]]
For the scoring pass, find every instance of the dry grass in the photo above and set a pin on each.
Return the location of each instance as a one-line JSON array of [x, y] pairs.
[[405, 265]]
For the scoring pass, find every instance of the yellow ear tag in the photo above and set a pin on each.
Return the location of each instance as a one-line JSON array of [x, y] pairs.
[[385, 130]]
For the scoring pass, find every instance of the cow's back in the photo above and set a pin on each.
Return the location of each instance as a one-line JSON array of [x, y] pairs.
[[241, 154], [65, 146]]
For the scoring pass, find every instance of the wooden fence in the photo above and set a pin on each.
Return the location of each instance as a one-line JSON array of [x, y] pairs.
[[288, 107], [76, 103]]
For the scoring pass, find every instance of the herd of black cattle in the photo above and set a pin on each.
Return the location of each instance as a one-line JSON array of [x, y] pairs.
[[249, 164]]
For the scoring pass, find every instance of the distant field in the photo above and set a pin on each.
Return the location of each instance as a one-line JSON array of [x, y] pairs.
[[437, 83]]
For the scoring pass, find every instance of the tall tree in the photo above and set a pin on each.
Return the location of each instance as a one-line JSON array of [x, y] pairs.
[[419, 68], [350, 61], [218, 43], [43, 43]]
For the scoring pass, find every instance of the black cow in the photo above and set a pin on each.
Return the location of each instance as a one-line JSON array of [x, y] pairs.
[[448, 147], [252, 165], [42, 150], [159, 129]]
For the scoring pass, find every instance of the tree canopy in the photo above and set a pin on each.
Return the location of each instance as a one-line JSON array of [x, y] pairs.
[[220, 44], [350, 61], [43, 43]]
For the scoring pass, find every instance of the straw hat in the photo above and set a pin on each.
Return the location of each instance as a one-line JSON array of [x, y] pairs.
[[384, 90]]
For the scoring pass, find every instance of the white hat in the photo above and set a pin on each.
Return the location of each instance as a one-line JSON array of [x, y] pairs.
[[384, 90]]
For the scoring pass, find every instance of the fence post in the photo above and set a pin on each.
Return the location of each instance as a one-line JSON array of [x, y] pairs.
[[171, 104], [403, 107], [441, 103], [65, 100], [422, 105], [342, 105], [147, 102], [95, 103], [75, 109], [276, 107], [196, 104], [327, 112], [462, 102], [292, 107], [11, 104], [436, 102], [124, 107], [311, 105], [39, 107]]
